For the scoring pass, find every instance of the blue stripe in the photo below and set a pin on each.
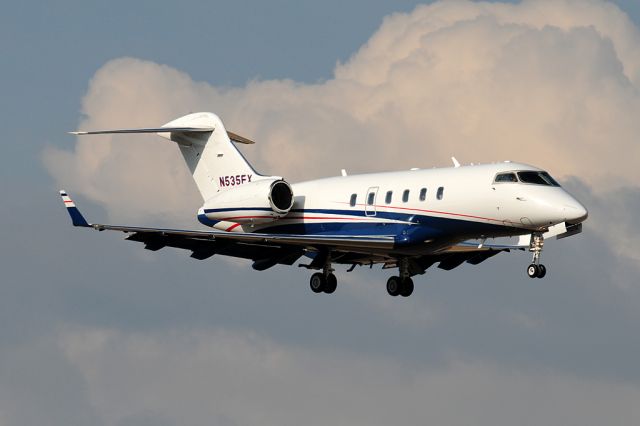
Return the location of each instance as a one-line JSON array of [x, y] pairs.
[[203, 219], [423, 228], [420, 228]]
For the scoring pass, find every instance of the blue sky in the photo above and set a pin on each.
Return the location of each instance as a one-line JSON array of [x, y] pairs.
[[80, 308]]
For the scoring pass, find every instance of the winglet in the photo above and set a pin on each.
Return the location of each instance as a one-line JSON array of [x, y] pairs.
[[456, 164], [76, 217]]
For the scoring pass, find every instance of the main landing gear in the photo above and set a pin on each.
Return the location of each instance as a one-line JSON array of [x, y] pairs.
[[324, 281], [320, 283], [402, 285], [397, 286], [536, 269]]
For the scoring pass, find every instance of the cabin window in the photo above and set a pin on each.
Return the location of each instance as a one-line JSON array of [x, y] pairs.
[[423, 194], [506, 177], [537, 178], [352, 202], [405, 196], [371, 198], [388, 197], [440, 193]]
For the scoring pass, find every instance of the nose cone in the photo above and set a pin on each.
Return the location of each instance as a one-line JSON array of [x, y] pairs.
[[575, 212]]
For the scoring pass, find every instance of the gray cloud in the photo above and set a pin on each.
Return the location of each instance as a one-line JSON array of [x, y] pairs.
[[242, 378]]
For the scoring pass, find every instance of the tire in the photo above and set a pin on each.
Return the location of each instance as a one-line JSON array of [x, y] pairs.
[[393, 286], [331, 284], [542, 271], [406, 287], [317, 282], [533, 270]]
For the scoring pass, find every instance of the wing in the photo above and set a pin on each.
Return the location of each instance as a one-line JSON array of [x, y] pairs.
[[265, 250], [453, 256]]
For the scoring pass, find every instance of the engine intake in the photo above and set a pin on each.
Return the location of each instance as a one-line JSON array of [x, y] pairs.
[[281, 196], [260, 201]]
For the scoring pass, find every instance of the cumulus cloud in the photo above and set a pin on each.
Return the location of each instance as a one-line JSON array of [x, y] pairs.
[[554, 83], [241, 378]]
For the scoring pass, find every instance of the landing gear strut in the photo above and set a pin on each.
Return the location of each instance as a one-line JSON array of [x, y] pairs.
[[324, 281], [536, 269], [402, 285]]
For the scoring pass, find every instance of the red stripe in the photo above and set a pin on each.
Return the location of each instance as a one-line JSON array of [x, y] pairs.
[[68, 201], [232, 227], [377, 206]]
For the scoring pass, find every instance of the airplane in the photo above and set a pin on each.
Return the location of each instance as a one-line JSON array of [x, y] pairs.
[[406, 220]]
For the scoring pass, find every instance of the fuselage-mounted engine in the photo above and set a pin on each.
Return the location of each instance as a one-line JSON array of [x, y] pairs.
[[261, 201]]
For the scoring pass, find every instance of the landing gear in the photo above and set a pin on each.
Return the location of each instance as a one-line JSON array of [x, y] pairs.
[[317, 282], [397, 286], [393, 286], [320, 283], [406, 288], [402, 285], [331, 284], [324, 281], [536, 269]]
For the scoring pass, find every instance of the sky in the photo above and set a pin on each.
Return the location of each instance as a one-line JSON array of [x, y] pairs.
[[96, 330]]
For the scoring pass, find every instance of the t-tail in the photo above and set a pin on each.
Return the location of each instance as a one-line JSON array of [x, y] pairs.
[[234, 193], [207, 148]]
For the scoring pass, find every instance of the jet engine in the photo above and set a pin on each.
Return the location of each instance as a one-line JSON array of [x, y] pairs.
[[260, 201]]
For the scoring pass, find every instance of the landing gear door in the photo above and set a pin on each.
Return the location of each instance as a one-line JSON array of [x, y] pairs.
[[370, 201]]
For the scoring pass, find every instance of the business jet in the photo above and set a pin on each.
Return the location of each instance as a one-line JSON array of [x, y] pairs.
[[407, 220]]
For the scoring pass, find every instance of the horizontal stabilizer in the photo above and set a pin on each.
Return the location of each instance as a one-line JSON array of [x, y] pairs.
[[146, 130], [233, 136]]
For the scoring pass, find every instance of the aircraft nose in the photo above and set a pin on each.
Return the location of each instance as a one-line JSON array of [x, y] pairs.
[[575, 212]]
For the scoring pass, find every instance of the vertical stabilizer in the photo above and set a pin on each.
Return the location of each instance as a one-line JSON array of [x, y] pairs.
[[214, 161]]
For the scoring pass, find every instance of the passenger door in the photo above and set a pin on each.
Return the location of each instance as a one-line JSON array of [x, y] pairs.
[[370, 201]]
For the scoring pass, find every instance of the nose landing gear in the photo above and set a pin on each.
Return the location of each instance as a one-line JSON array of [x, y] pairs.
[[536, 269]]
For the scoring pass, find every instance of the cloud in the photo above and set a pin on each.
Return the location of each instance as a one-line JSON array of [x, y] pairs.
[[552, 83], [241, 378]]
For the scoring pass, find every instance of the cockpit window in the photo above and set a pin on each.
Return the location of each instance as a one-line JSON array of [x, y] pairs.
[[537, 178], [506, 177]]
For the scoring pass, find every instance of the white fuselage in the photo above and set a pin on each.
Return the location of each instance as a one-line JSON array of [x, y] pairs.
[[456, 202]]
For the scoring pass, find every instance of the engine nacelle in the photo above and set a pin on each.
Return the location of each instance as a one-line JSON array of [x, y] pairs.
[[260, 201]]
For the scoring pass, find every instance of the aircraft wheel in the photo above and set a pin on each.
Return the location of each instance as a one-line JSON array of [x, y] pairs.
[[542, 271], [317, 282], [406, 287], [533, 270], [330, 284], [394, 286]]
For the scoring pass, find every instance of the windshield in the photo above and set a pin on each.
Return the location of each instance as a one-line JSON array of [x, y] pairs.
[[537, 178], [506, 177]]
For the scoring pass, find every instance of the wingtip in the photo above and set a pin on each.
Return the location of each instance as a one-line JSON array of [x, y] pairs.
[[76, 217]]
